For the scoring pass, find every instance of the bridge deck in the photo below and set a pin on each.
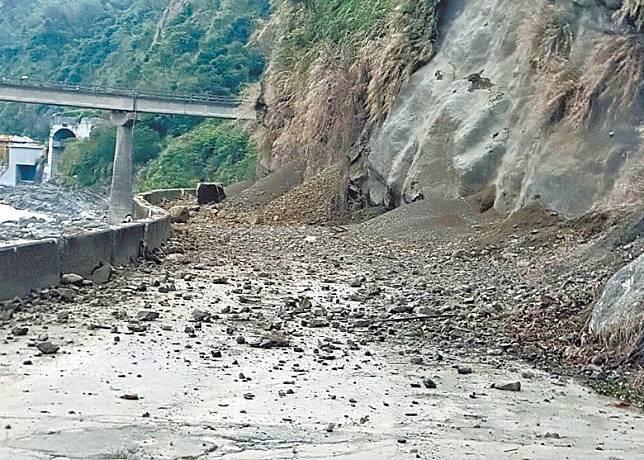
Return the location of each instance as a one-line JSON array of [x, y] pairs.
[[92, 97]]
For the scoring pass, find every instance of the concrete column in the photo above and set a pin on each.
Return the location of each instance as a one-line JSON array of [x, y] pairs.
[[121, 204]]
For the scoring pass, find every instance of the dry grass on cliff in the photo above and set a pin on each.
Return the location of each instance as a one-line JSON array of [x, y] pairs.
[[609, 85], [624, 340], [546, 40], [632, 11], [326, 82], [391, 60], [612, 82], [312, 117]]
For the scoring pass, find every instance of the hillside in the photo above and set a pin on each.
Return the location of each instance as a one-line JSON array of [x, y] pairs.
[[515, 100], [183, 46]]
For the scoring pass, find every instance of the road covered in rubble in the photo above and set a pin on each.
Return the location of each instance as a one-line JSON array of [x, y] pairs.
[[267, 342]]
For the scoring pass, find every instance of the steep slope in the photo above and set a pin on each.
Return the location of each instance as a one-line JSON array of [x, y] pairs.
[[516, 99], [537, 99]]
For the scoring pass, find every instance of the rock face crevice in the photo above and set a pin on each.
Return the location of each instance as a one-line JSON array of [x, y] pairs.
[[475, 116]]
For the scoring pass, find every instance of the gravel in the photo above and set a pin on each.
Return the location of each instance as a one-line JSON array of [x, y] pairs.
[[59, 212]]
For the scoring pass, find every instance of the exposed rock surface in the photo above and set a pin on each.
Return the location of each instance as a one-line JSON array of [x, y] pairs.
[[473, 117], [621, 305]]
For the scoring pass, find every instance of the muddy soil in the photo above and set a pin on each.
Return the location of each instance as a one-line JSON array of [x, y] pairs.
[[262, 342]]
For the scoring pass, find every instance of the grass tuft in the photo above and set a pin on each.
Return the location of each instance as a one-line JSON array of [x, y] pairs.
[[622, 391], [632, 12], [336, 66], [612, 83]]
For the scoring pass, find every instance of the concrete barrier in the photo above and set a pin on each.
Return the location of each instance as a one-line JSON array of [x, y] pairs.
[[82, 254], [28, 266], [157, 232], [37, 265], [127, 242]]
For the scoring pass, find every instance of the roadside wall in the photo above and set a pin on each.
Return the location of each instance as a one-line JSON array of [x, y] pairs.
[[28, 266]]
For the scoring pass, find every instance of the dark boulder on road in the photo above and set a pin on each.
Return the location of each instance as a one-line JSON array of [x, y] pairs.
[[208, 193]]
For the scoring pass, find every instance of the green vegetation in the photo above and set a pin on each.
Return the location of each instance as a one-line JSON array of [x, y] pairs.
[[622, 391], [334, 23], [215, 150], [89, 162], [183, 46], [313, 26]]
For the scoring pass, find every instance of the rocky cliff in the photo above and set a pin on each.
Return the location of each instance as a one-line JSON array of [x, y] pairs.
[[520, 99]]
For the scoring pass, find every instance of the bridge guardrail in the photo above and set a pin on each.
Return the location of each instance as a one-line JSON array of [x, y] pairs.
[[232, 101]]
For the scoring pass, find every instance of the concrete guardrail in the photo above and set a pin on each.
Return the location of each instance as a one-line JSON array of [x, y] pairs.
[[28, 266]]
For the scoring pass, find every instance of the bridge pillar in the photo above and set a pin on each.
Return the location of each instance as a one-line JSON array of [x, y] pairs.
[[121, 204]]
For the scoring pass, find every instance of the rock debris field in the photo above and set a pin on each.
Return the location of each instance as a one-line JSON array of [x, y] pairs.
[[352, 342], [49, 211]]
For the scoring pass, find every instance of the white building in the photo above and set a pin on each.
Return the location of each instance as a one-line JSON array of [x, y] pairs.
[[20, 158]]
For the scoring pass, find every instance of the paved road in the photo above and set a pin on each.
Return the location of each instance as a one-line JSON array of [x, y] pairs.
[[343, 390]]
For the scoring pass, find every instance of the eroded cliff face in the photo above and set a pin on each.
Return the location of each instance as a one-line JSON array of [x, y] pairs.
[[521, 99], [539, 99]]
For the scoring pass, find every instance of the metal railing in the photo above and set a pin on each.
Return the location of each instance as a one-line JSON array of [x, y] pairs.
[[230, 101]]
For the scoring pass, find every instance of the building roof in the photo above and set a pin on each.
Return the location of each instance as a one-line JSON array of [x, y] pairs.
[[20, 141], [16, 139]]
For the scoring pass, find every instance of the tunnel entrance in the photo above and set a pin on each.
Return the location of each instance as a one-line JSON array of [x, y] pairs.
[[57, 146]]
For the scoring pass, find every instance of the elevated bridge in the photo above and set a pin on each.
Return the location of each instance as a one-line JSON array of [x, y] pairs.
[[121, 100], [124, 106]]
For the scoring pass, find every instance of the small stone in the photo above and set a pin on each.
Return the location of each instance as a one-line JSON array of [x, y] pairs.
[[417, 360], [318, 322], [19, 331], [356, 282], [464, 370], [201, 316], [71, 278], [507, 386], [136, 327], [102, 274], [47, 348], [147, 315], [179, 214], [429, 383]]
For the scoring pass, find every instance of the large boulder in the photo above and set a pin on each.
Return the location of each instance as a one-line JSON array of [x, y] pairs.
[[210, 193], [621, 305], [179, 214]]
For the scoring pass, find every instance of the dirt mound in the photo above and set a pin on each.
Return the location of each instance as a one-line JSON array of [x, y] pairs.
[[236, 188], [425, 220], [267, 189], [316, 201], [533, 216]]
